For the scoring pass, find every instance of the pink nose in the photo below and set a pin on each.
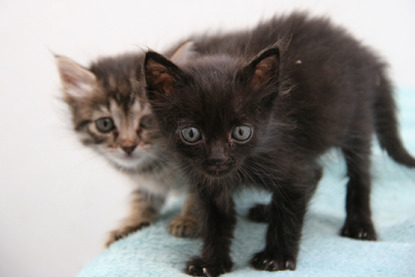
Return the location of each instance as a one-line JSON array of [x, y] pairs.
[[128, 149]]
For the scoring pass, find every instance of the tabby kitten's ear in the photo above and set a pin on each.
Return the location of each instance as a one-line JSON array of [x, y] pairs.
[[184, 52], [77, 81], [263, 70], [162, 76]]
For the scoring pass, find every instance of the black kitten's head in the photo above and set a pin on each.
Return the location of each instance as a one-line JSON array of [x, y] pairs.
[[213, 108]]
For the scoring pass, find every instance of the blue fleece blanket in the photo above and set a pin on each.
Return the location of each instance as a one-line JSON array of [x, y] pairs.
[[153, 252]]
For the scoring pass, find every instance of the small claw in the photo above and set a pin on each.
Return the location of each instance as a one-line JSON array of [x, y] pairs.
[[206, 273], [191, 269], [290, 265], [272, 266]]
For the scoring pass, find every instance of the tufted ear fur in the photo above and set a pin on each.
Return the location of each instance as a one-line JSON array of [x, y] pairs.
[[76, 80], [162, 76], [263, 69]]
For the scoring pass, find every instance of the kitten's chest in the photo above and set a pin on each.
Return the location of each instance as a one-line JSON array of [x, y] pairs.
[[160, 180]]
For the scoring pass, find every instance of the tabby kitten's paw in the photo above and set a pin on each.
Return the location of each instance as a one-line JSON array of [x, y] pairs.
[[259, 213], [362, 229], [200, 267], [124, 231], [271, 261], [184, 226]]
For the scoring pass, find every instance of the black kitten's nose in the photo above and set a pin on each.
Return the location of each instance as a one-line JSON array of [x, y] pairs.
[[219, 162], [128, 149], [217, 156]]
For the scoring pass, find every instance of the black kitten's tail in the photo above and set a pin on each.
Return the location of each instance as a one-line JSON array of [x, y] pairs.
[[386, 124]]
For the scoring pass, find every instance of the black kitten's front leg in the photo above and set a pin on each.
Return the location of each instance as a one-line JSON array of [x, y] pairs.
[[285, 215], [283, 235], [218, 215]]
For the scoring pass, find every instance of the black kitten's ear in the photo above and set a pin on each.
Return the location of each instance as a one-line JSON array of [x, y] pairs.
[[162, 76], [263, 69]]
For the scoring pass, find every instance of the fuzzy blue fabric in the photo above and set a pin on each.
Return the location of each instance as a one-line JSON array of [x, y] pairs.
[[153, 252]]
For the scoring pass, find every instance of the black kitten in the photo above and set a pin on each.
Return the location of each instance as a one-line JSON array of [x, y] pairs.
[[267, 121]]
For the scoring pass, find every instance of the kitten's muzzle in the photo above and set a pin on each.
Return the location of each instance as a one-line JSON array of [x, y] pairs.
[[217, 167], [218, 161], [129, 149]]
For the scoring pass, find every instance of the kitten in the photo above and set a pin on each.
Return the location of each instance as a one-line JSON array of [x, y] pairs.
[[111, 115], [264, 121]]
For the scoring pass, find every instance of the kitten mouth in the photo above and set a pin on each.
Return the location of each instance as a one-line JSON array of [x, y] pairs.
[[130, 157], [218, 171]]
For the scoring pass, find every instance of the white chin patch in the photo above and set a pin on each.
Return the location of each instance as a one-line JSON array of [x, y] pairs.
[[128, 163], [121, 159]]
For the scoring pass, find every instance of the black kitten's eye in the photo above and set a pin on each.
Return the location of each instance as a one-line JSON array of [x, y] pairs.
[[241, 133], [105, 124], [191, 134], [146, 121]]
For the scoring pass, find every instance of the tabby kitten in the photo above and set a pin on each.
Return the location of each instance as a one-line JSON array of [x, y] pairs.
[[264, 121], [111, 115]]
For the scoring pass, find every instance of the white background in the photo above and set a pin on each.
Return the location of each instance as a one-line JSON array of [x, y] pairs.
[[59, 200]]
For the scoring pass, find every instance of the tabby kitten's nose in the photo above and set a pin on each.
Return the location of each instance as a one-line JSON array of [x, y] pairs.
[[128, 149]]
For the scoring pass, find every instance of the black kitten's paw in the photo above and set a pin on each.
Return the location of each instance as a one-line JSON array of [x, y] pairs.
[[258, 213], [358, 230], [270, 261], [199, 267]]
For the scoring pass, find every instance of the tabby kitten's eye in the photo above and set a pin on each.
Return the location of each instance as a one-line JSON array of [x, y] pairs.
[[146, 122], [191, 134], [105, 124], [241, 133]]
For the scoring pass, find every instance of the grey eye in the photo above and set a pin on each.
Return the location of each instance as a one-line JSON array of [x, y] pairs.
[[191, 134], [105, 124], [241, 133], [146, 122]]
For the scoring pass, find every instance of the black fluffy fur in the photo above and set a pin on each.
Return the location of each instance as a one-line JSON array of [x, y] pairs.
[[304, 86]]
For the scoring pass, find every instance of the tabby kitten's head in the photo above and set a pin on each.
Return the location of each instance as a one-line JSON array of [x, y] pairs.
[[214, 108], [109, 108]]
